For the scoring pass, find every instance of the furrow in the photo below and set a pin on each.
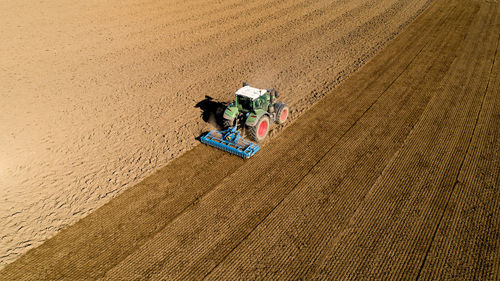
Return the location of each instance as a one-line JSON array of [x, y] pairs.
[[413, 200], [466, 242]]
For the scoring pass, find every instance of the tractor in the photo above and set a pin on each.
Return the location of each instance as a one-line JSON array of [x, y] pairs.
[[256, 109]]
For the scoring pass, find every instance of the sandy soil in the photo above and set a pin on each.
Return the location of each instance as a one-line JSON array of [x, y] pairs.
[[392, 175], [96, 95]]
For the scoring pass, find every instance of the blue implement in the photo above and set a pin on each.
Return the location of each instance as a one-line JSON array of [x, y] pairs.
[[231, 141]]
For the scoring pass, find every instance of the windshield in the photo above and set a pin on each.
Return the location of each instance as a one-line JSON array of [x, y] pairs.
[[246, 103]]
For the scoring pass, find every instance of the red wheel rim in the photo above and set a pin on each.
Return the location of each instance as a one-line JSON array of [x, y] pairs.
[[284, 113], [262, 128]]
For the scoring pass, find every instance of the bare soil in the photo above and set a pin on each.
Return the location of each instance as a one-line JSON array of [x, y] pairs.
[[394, 174], [97, 95]]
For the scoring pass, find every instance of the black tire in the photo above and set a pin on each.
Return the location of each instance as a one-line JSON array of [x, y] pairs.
[[260, 130], [226, 123], [282, 112]]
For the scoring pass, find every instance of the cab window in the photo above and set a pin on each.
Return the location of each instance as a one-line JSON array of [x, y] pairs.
[[244, 102]]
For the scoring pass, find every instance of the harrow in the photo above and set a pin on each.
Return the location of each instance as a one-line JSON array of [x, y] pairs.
[[230, 141]]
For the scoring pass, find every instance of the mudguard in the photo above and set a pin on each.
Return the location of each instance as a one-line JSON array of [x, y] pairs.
[[231, 112], [252, 118]]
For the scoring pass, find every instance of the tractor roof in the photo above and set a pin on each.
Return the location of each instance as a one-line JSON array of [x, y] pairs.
[[250, 92]]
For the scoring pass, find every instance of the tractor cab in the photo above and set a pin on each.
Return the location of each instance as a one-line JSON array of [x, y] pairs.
[[248, 99]]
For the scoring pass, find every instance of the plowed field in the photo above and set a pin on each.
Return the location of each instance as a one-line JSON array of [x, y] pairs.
[[392, 174], [97, 95]]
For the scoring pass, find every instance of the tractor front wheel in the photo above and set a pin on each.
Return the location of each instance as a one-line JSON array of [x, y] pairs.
[[282, 111], [260, 130]]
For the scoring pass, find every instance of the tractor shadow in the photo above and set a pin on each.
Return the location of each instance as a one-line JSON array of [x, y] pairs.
[[212, 111]]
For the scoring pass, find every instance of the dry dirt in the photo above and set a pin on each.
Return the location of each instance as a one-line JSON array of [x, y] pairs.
[[97, 95], [394, 174]]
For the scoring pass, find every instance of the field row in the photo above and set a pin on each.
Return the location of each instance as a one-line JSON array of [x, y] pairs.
[[394, 174]]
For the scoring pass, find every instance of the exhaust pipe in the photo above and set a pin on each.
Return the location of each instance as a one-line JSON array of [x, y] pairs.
[[274, 94]]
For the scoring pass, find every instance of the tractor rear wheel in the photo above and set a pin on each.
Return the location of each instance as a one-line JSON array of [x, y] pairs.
[[282, 111], [260, 130]]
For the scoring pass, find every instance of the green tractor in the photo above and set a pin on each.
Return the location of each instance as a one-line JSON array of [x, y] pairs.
[[257, 109]]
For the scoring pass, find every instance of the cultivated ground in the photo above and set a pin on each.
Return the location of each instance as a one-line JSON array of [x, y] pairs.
[[393, 174], [96, 95]]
